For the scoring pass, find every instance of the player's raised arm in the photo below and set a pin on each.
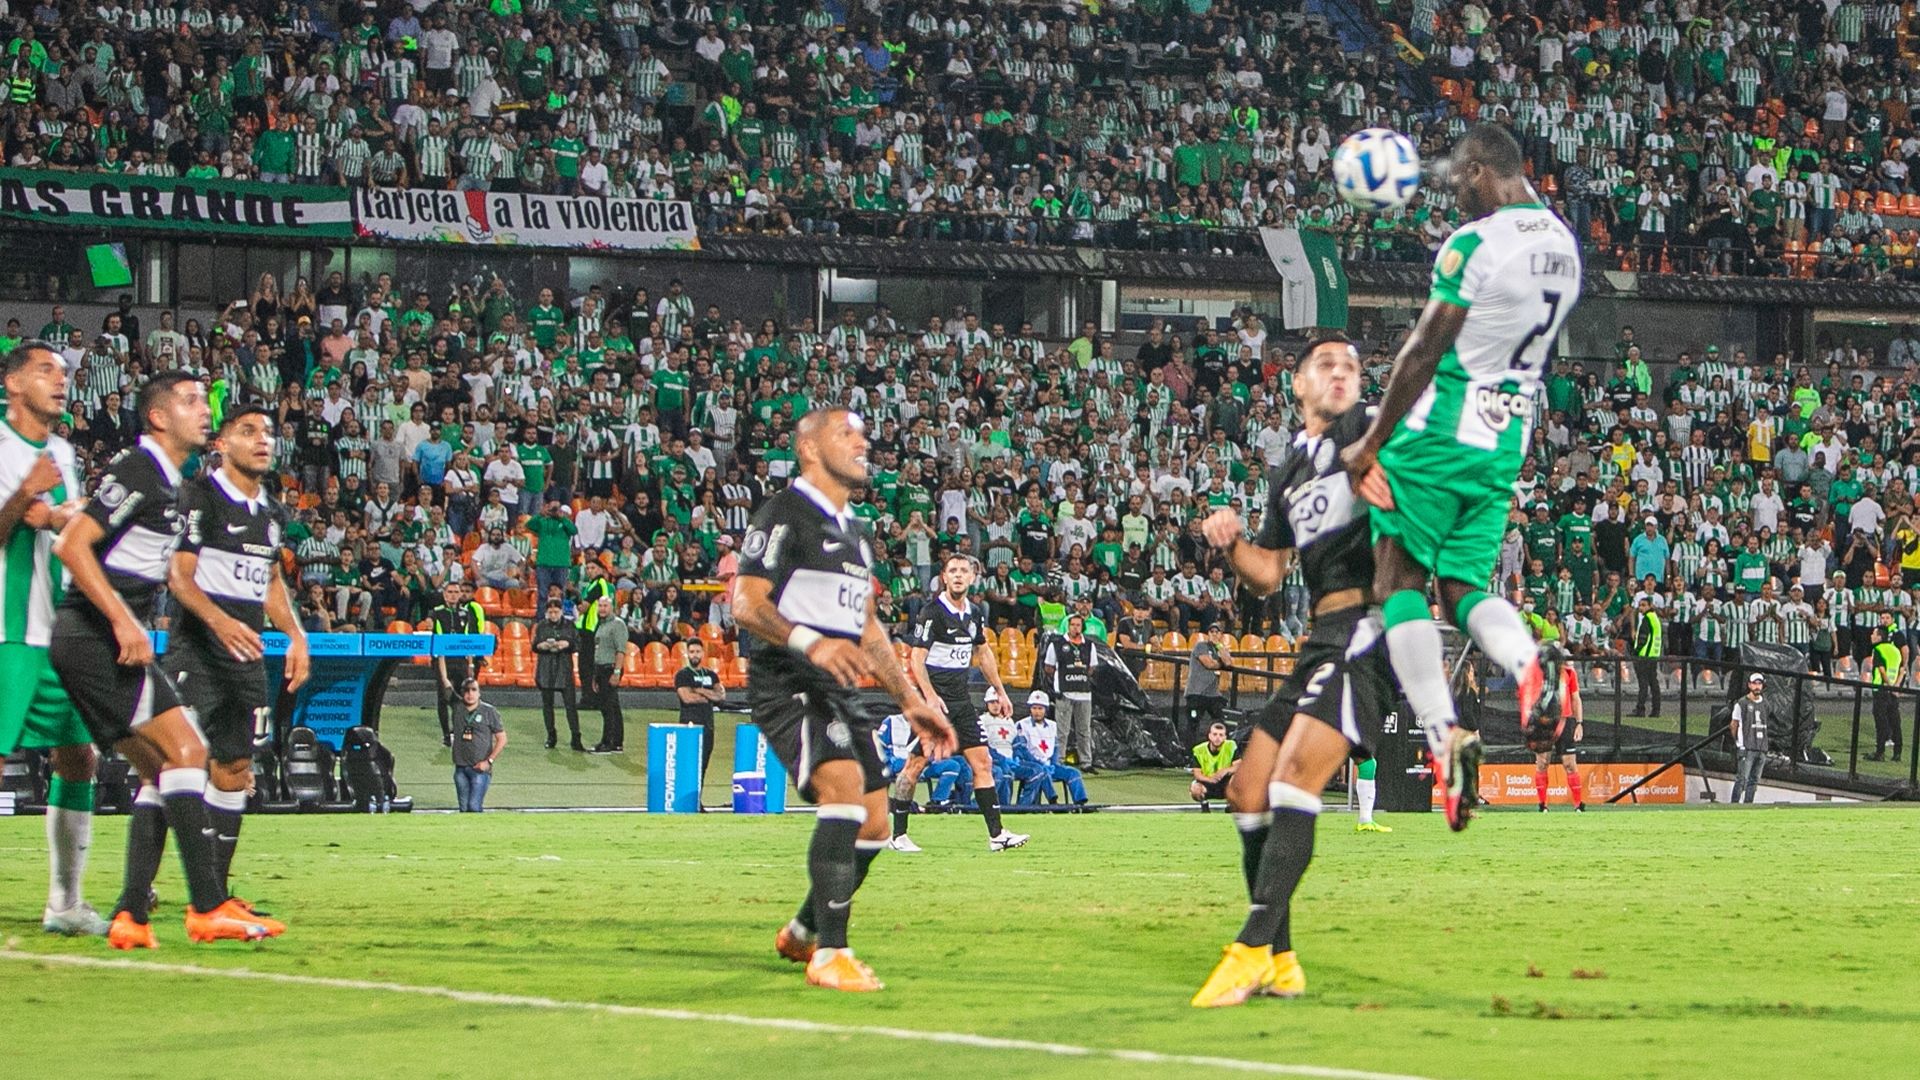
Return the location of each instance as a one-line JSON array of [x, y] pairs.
[[1260, 569]]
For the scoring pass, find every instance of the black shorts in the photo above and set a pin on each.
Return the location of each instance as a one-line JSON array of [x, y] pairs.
[[112, 700], [962, 713], [225, 695], [1340, 678], [1213, 789], [807, 727], [1558, 747]]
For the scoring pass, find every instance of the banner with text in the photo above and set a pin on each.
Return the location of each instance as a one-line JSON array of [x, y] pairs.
[[1512, 785], [515, 219], [105, 200]]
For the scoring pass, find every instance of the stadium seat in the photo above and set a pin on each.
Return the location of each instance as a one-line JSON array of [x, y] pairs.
[[489, 600], [654, 667], [1174, 641], [734, 675], [513, 630], [523, 604], [306, 769]]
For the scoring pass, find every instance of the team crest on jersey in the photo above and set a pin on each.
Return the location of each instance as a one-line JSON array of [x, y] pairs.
[[756, 544], [1450, 261], [112, 494], [1323, 456], [273, 534]]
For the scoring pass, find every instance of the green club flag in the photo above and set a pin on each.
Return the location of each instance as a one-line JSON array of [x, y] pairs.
[[1314, 291], [109, 266]]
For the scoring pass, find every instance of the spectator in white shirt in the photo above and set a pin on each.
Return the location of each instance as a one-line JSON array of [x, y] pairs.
[[505, 473], [591, 525]]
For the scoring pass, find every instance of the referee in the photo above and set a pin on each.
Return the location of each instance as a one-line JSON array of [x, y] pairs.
[[806, 590], [456, 616]]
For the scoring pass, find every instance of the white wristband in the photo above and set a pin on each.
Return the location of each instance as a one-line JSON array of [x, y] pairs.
[[803, 639]]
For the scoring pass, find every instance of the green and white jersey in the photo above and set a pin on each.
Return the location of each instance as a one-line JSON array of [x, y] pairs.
[[1517, 272], [32, 581]]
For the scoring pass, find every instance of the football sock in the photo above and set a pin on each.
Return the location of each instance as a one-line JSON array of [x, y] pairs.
[[184, 793], [1289, 850], [1540, 786], [899, 808], [1573, 788], [1253, 839], [69, 834], [146, 843], [1497, 628], [833, 867], [1418, 656], [224, 810], [1364, 791], [864, 852], [985, 798]]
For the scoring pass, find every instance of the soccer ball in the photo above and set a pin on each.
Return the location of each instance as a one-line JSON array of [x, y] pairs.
[[1376, 169]]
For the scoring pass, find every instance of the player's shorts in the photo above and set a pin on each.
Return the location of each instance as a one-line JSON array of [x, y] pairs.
[[35, 711], [111, 699], [224, 694], [962, 713], [1340, 678], [1558, 747], [1450, 504], [807, 727]]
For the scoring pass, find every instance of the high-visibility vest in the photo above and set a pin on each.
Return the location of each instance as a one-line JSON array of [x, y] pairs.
[[590, 594], [1651, 646], [1210, 761], [1886, 667]]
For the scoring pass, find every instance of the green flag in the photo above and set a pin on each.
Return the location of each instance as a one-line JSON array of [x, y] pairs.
[[1314, 291], [109, 266]]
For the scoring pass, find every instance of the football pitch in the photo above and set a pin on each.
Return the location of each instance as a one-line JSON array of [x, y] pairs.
[[1628, 943]]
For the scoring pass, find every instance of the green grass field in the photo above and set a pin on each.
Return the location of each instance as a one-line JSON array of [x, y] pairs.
[[1714, 943]]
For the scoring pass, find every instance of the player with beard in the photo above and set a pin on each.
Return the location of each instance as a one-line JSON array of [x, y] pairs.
[[39, 491], [226, 579], [950, 637], [1330, 707], [806, 590], [117, 550]]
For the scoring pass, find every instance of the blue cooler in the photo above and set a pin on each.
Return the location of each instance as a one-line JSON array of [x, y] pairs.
[[673, 768], [749, 793], [752, 757]]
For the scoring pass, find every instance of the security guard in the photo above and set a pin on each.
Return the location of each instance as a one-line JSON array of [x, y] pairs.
[[1647, 648], [460, 614], [592, 589], [1884, 671]]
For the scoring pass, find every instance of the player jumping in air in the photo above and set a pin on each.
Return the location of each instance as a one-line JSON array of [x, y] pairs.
[[949, 637], [1439, 460], [117, 550], [226, 579], [39, 491], [1330, 707], [806, 589]]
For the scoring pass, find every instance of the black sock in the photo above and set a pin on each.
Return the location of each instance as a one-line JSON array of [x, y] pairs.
[[988, 800], [1253, 841], [186, 809], [899, 808], [863, 861], [146, 843], [226, 833], [833, 867], [1282, 864]]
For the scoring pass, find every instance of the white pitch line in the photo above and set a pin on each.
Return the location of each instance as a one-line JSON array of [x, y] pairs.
[[811, 1027]]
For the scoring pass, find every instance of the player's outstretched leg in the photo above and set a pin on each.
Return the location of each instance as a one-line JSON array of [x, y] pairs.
[[1418, 656], [69, 835], [1497, 628], [1365, 792]]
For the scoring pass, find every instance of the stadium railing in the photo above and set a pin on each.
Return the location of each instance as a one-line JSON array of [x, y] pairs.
[[1824, 737]]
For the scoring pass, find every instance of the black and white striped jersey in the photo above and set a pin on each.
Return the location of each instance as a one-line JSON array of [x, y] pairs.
[[135, 504], [1311, 507], [949, 635], [821, 567], [237, 541]]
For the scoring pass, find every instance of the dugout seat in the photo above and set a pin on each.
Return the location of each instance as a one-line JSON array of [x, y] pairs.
[[25, 774], [307, 768], [268, 796], [366, 773]]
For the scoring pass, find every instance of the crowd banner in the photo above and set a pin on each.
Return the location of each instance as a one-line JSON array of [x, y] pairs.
[[516, 219], [108, 200]]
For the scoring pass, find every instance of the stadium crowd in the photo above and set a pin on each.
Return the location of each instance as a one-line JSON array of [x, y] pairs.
[[1765, 139], [539, 443]]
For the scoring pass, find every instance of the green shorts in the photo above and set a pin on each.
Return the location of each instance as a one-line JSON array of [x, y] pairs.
[[1451, 504], [34, 709]]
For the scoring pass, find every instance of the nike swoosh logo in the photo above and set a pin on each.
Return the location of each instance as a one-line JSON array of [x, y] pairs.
[[839, 905], [208, 832], [832, 546], [236, 529], [228, 839]]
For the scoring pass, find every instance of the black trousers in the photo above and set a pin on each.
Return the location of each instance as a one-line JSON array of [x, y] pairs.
[[1886, 720], [1646, 670], [1201, 713], [448, 700], [613, 725], [567, 694]]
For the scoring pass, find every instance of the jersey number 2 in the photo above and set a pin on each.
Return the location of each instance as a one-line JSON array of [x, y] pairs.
[[1540, 330]]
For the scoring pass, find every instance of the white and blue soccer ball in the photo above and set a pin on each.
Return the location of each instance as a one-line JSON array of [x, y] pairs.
[[1376, 169]]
